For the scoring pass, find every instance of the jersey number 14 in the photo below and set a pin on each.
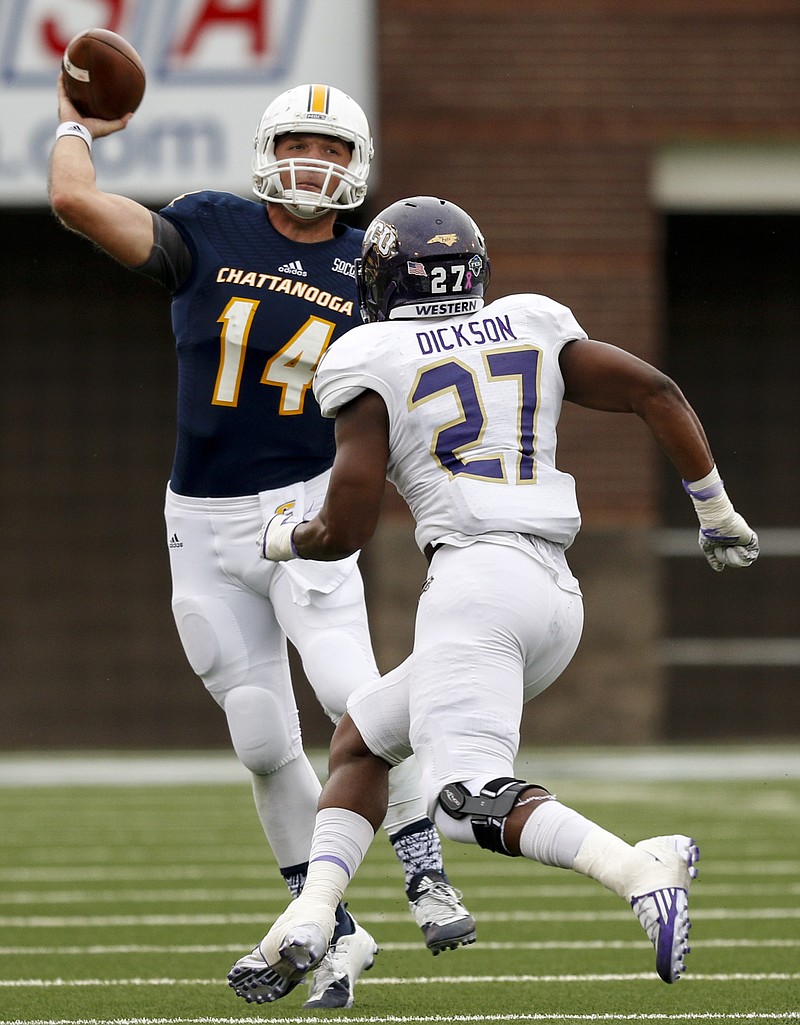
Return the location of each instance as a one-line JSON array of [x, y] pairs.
[[291, 368]]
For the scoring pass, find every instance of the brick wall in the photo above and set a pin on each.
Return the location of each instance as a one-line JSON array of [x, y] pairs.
[[542, 120]]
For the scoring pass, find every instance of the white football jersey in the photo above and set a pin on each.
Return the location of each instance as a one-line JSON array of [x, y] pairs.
[[473, 405]]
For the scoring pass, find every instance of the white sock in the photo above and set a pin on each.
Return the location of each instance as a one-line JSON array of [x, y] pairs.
[[286, 802], [341, 841], [553, 834], [557, 835], [610, 861]]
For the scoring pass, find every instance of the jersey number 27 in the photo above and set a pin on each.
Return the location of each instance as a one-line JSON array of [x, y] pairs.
[[452, 441]]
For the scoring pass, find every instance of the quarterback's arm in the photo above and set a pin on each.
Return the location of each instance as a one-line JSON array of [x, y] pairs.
[[120, 226], [601, 376], [349, 515]]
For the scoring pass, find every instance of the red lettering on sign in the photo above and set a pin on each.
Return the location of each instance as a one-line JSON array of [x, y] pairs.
[[250, 14], [56, 42]]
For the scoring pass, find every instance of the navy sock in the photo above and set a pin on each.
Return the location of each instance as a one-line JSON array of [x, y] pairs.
[[295, 877], [344, 923]]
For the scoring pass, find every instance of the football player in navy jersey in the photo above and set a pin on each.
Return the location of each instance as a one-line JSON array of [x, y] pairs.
[[260, 289]]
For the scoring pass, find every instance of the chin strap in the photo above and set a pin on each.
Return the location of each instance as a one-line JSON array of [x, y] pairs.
[[308, 212]]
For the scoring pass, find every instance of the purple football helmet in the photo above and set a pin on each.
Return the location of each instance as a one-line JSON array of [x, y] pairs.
[[421, 257]]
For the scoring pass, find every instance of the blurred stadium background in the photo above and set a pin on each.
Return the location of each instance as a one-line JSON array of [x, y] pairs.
[[639, 163]]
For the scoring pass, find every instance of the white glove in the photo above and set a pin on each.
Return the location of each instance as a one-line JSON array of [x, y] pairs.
[[275, 539], [725, 537], [736, 545]]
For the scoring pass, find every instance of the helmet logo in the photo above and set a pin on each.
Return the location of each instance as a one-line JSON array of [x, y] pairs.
[[476, 265], [382, 237], [446, 239]]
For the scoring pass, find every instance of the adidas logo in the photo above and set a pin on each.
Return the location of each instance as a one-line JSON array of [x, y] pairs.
[[174, 542], [293, 267]]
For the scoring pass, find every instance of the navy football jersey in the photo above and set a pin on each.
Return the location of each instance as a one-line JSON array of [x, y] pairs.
[[251, 323]]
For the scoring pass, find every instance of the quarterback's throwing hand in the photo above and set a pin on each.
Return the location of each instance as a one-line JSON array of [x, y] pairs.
[[737, 546], [275, 539]]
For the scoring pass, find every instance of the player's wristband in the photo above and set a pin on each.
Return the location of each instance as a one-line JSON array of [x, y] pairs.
[[710, 500], [276, 540], [710, 486], [76, 130]]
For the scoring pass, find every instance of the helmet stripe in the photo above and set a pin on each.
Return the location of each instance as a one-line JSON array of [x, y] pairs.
[[318, 99]]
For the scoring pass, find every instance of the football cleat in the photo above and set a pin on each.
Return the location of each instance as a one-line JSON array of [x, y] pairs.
[[334, 979], [662, 904], [252, 979], [259, 982], [291, 949], [438, 911]]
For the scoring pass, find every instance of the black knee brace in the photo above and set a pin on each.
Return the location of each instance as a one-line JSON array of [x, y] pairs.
[[488, 811]]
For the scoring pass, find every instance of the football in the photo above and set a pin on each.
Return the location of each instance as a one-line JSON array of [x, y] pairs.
[[103, 74]]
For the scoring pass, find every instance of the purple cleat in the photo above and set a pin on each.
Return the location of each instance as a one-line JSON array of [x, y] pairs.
[[663, 911]]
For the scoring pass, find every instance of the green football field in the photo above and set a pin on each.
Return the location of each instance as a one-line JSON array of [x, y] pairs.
[[127, 901]]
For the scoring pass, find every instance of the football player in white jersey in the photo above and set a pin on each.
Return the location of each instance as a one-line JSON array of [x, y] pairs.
[[457, 403]]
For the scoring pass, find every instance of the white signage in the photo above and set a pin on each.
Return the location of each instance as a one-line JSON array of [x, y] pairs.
[[212, 67]]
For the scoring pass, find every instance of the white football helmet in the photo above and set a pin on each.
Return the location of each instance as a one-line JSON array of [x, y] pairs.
[[319, 110]]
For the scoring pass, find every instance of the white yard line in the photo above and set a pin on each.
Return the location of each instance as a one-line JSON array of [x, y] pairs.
[[237, 870], [406, 1019], [422, 980], [543, 945], [277, 895], [375, 918]]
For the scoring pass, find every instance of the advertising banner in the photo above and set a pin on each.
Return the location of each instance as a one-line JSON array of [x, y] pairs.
[[212, 67]]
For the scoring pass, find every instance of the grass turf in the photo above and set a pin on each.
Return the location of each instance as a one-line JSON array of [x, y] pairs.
[[122, 903]]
